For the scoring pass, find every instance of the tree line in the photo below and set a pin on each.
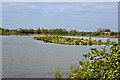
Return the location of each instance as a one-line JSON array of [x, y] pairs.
[[57, 31]]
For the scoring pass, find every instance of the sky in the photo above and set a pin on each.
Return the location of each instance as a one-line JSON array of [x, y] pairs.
[[60, 0], [81, 16]]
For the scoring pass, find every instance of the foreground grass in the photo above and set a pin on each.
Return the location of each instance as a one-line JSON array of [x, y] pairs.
[[70, 41]]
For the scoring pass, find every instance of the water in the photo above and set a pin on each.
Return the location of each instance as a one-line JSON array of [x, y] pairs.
[[24, 57], [104, 39]]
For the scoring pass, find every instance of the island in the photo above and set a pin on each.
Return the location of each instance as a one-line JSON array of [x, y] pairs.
[[68, 40]]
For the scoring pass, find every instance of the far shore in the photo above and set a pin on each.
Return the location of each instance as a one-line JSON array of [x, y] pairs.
[[60, 32]]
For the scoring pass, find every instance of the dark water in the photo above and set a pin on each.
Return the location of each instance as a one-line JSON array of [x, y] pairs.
[[24, 57]]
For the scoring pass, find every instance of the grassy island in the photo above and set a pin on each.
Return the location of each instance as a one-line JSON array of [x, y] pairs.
[[70, 41]]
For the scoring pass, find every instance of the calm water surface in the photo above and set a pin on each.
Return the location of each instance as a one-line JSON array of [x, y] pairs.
[[24, 57]]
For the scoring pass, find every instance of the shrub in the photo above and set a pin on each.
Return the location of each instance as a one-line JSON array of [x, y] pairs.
[[90, 43], [107, 34], [108, 41], [83, 34], [50, 41], [84, 43], [90, 38], [112, 33], [86, 39], [101, 65], [77, 42], [96, 33], [82, 39], [100, 40], [103, 33]]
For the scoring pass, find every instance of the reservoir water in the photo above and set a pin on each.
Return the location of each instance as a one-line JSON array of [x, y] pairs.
[[24, 57]]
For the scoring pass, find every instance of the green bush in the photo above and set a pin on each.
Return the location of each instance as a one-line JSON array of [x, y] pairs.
[[84, 43], [112, 33], [76, 42], [96, 33], [100, 40], [90, 43], [90, 38], [101, 65]]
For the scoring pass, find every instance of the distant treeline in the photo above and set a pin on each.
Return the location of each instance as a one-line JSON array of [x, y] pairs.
[[58, 31]]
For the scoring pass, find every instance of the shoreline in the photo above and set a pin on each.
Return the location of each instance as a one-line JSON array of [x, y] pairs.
[[64, 35]]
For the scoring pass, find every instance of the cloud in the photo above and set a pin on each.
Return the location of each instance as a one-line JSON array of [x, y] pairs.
[[60, 14], [51, 9], [84, 9]]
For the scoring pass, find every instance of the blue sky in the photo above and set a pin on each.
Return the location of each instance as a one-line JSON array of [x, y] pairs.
[[82, 16]]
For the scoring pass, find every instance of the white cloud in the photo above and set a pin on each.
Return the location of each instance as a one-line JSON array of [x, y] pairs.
[[24, 9], [86, 9], [59, 14]]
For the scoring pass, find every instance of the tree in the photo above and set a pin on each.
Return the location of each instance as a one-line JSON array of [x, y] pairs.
[[21, 30], [64, 31], [31, 31], [73, 32], [107, 30], [44, 31], [6, 30], [103, 30], [38, 31]]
